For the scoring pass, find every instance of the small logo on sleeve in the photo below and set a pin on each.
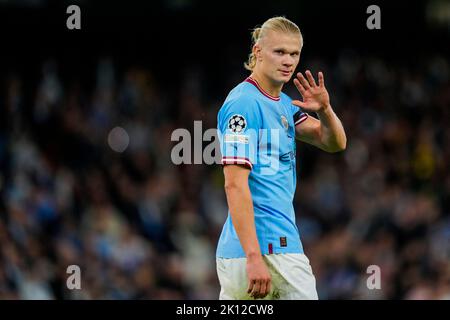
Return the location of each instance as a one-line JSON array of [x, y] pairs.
[[285, 123], [237, 123], [283, 242]]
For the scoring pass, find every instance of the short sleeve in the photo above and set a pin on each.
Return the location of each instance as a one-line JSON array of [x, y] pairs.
[[238, 131]]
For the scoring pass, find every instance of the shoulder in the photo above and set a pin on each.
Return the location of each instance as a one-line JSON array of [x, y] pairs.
[[285, 98], [287, 101], [240, 100]]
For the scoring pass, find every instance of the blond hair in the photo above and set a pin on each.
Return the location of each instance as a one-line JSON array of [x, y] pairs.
[[279, 24]]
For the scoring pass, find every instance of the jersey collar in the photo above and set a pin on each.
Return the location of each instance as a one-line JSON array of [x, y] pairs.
[[256, 84]]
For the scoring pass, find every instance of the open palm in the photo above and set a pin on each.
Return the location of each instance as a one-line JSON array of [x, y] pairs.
[[315, 97]]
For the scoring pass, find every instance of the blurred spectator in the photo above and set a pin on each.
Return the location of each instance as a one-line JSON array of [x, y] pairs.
[[140, 227]]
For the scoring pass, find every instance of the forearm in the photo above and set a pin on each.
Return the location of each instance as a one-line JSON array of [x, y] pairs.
[[242, 215], [332, 132]]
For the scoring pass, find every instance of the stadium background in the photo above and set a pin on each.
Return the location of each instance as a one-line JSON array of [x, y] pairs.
[[140, 227]]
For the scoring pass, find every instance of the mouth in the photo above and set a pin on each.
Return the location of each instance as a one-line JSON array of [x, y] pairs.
[[285, 72]]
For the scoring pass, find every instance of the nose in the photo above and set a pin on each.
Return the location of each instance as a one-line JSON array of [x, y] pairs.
[[288, 61]]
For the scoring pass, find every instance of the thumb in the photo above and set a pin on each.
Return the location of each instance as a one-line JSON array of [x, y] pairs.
[[298, 103]]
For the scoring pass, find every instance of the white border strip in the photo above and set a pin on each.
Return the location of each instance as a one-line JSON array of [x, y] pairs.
[[302, 118], [231, 160]]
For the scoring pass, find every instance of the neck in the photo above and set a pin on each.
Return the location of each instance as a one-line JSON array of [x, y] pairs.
[[272, 88]]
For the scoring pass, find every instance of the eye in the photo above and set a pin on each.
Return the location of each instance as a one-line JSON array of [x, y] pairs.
[[279, 52], [294, 55]]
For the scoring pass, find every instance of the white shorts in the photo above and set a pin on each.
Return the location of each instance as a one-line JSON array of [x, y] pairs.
[[292, 278]]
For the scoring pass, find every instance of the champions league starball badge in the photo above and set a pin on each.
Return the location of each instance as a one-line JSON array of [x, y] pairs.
[[237, 123]]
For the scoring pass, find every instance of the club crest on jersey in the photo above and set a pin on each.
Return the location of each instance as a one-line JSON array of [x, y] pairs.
[[237, 123], [284, 122]]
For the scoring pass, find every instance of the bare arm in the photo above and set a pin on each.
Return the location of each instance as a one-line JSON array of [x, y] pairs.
[[241, 210], [327, 133]]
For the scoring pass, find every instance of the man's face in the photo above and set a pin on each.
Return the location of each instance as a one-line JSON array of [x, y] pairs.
[[278, 54]]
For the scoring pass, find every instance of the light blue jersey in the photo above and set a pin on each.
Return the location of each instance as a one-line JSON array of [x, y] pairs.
[[258, 130]]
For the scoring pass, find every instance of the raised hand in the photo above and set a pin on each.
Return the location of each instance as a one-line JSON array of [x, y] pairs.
[[315, 97]]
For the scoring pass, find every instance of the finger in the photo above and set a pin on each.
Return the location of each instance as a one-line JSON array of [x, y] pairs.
[[251, 283], [298, 103], [311, 80], [321, 80], [299, 87], [255, 291], [262, 290], [303, 81]]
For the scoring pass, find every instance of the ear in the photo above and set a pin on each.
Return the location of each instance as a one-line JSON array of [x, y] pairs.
[[257, 51]]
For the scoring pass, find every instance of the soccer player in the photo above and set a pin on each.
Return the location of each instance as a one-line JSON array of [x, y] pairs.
[[260, 254]]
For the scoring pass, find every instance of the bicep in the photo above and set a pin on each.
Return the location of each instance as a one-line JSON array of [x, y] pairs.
[[309, 131], [235, 175]]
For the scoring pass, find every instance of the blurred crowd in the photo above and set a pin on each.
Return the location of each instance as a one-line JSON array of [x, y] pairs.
[[140, 227]]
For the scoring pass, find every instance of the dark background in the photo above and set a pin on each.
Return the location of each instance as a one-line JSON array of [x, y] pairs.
[[140, 227]]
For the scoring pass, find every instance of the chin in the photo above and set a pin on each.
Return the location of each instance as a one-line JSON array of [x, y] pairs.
[[281, 79], [284, 79]]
